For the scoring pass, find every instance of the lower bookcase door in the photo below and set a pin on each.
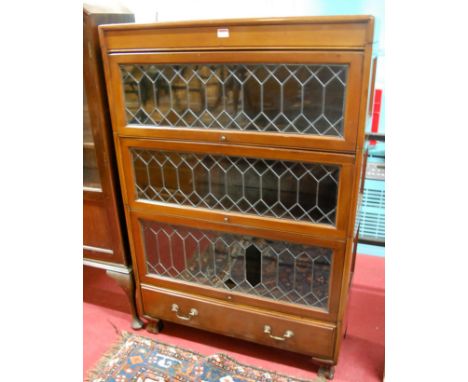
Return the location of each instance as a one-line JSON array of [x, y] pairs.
[[299, 335], [270, 270]]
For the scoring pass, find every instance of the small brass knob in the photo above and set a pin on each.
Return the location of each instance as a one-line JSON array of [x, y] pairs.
[[223, 138], [226, 219]]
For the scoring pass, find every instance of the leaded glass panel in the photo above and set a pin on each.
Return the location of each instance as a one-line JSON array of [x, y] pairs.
[[282, 189], [273, 269], [286, 98]]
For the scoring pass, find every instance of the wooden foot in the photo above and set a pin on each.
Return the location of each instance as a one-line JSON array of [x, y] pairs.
[[126, 282], [326, 371], [154, 326], [326, 368]]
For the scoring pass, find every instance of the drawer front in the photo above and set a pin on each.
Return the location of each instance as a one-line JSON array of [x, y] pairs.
[[295, 190], [293, 99], [282, 272], [302, 336]]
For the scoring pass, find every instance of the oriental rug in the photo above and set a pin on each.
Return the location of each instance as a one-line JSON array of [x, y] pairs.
[[139, 359]]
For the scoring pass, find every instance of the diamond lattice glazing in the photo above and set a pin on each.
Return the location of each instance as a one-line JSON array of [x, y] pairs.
[[292, 98], [278, 270], [282, 189]]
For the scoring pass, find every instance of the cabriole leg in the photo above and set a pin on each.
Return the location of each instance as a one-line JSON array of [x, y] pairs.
[[126, 282]]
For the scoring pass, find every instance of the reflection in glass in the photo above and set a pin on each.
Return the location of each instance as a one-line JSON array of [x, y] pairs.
[[90, 168], [282, 189], [292, 98], [278, 270]]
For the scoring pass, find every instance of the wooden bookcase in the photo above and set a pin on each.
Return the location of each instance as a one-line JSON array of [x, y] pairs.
[[105, 243], [240, 154]]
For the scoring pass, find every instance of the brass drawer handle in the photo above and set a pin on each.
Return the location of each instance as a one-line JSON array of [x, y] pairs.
[[287, 334], [193, 312]]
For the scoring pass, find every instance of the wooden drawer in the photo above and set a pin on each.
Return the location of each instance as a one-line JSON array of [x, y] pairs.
[[308, 337]]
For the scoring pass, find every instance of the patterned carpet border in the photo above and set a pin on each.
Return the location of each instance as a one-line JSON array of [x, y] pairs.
[[139, 359]]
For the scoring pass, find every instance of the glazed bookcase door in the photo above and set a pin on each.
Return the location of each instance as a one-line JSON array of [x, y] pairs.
[[290, 99], [91, 177], [286, 273], [288, 190]]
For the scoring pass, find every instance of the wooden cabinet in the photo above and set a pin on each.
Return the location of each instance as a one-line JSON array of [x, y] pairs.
[[240, 151], [104, 232]]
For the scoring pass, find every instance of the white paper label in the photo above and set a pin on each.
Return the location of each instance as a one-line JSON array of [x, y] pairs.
[[223, 33]]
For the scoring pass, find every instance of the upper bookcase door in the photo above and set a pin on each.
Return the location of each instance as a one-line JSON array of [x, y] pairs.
[[285, 99]]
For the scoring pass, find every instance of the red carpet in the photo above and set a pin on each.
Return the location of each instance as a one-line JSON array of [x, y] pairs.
[[362, 353]]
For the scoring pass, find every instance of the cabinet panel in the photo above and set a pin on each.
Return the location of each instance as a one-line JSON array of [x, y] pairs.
[[263, 98], [96, 229]]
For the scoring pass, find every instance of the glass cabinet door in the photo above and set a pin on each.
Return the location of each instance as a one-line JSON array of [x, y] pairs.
[[305, 99], [273, 269], [91, 179], [288, 190]]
